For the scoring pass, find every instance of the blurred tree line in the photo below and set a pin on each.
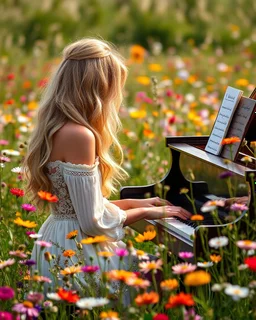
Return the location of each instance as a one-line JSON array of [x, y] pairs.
[[53, 23]]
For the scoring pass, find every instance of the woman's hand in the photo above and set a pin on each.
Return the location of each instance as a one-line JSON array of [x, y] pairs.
[[149, 202], [240, 200], [153, 213]]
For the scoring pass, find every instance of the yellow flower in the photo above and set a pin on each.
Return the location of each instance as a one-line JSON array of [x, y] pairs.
[[155, 67], [138, 114], [253, 144], [137, 53], [105, 254], [72, 234], [71, 270], [68, 253], [33, 105], [94, 240], [246, 159], [18, 214], [242, 82], [26, 224], [147, 236], [169, 284], [197, 278], [184, 190], [145, 81], [109, 315]]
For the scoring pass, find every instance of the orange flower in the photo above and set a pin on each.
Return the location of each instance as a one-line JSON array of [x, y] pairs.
[[105, 254], [71, 270], [147, 236], [26, 224], [72, 234], [68, 253], [197, 217], [230, 140], [68, 295], [109, 315], [120, 275], [215, 258], [137, 53], [47, 196], [94, 240], [147, 298], [169, 284], [144, 80], [197, 278], [181, 299]]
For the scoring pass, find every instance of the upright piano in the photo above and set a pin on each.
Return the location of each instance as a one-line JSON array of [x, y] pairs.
[[186, 152]]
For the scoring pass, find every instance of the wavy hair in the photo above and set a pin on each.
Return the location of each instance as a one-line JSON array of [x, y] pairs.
[[86, 89]]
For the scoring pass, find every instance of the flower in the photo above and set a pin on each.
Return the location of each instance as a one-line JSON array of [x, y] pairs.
[[251, 263], [94, 240], [137, 53], [71, 270], [53, 296], [181, 299], [47, 256], [25, 223], [186, 255], [147, 236], [160, 316], [4, 315], [137, 283], [184, 267], [47, 196], [35, 235], [238, 207], [144, 80], [27, 308], [236, 292], [226, 174], [184, 190], [67, 295], [18, 253], [212, 205], [72, 234], [17, 192], [120, 275], [35, 297], [205, 264], [90, 269], [89, 303], [68, 253], [147, 298], [191, 315], [246, 244], [230, 140], [28, 207], [6, 293], [152, 265], [246, 159], [6, 263], [121, 252], [169, 284], [105, 254], [109, 315], [218, 242], [44, 244], [197, 217], [28, 263], [197, 278], [215, 258], [18, 170], [10, 152]]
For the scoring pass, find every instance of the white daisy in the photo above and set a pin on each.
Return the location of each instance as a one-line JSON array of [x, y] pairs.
[[89, 303], [53, 296], [237, 292], [10, 152], [205, 264], [35, 235], [218, 242], [17, 170]]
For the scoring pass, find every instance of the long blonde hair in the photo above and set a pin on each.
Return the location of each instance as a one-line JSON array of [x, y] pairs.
[[86, 89]]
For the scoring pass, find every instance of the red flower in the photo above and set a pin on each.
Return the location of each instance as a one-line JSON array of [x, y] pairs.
[[47, 196], [11, 76], [230, 140], [68, 295], [181, 299], [161, 316], [42, 83], [251, 263], [17, 192]]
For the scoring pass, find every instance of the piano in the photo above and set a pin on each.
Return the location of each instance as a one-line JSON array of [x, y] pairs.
[[188, 235]]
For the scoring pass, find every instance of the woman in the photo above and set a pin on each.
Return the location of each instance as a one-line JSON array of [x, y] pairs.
[[70, 155]]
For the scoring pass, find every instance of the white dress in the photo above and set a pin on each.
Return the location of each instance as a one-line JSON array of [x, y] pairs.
[[81, 207]]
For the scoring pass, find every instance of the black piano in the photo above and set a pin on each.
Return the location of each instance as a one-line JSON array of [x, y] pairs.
[[186, 152]]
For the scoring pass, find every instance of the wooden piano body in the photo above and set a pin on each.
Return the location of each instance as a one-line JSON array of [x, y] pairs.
[[187, 235]]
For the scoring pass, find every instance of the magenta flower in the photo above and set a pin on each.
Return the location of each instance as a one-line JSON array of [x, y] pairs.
[[28, 233], [26, 308], [226, 174], [6, 316], [28, 263], [238, 207], [35, 297], [184, 267], [4, 142], [43, 243], [6, 293], [28, 207], [90, 269], [121, 252], [185, 255]]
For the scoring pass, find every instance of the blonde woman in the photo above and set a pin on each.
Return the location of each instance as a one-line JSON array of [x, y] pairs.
[[70, 155]]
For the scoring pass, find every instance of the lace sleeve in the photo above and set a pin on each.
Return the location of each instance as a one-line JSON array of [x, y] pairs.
[[95, 215]]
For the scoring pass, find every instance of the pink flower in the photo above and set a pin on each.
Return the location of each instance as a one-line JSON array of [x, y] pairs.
[[18, 253], [26, 308], [184, 267], [238, 207], [28, 207], [35, 297], [4, 142], [152, 265], [6, 263], [6, 316], [43, 243], [185, 255], [191, 315], [90, 269], [6, 293], [120, 252], [246, 244], [4, 159]]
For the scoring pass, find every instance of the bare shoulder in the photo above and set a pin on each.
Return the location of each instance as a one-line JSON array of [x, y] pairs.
[[75, 143]]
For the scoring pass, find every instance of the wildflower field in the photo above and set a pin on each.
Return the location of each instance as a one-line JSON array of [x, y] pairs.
[[168, 93]]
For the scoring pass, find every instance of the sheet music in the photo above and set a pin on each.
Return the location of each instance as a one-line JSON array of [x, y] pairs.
[[223, 120], [241, 118]]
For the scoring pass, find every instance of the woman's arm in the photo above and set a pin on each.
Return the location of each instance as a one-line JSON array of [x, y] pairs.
[[126, 204]]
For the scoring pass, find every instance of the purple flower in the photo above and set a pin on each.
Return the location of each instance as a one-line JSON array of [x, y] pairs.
[[28, 207], [185, 255], [226, 174], [26, 308], [35, 297], [238, 207], [90, 269], [121, 252], [6, 293], [28, 263], [6, 316]]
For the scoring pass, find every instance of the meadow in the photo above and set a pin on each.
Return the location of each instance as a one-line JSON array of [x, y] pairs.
[[174, 88]]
